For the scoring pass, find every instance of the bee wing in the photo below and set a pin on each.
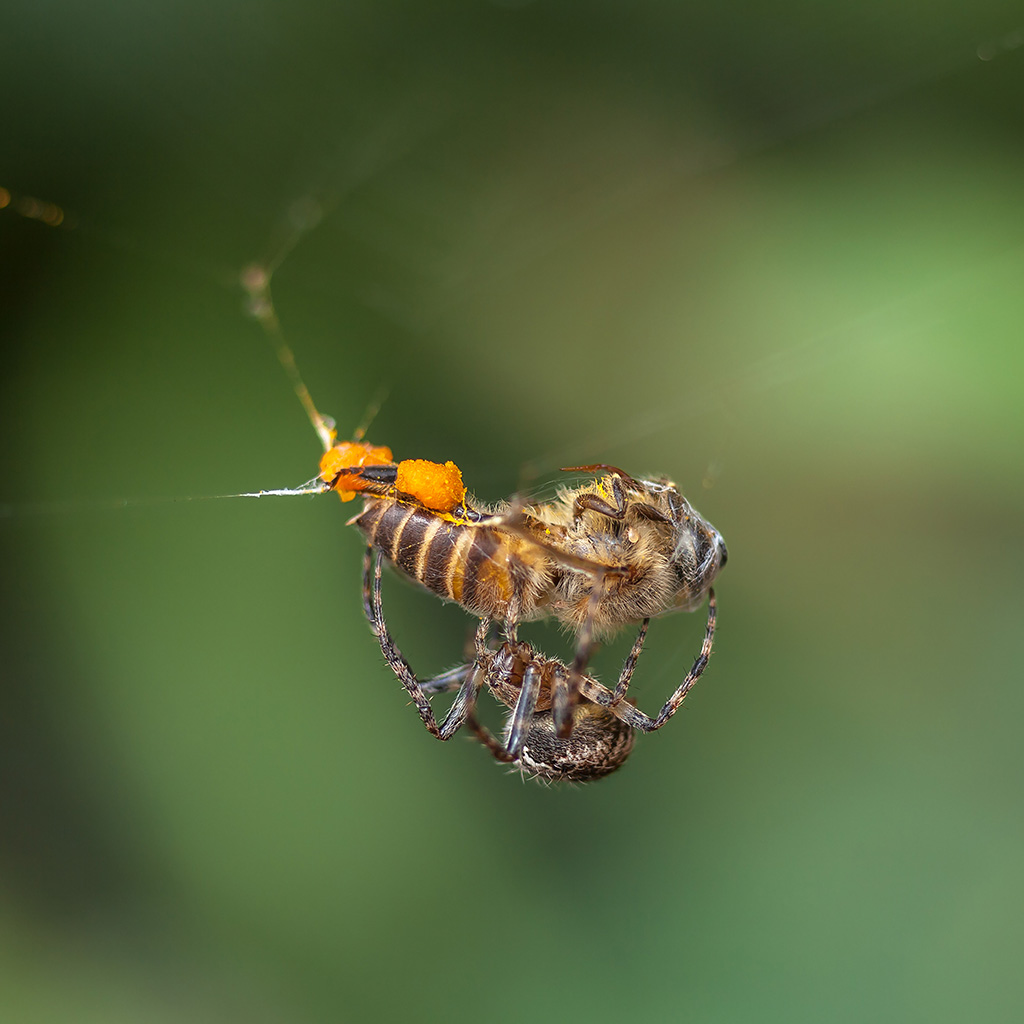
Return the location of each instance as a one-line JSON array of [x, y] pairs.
[[514, 522]]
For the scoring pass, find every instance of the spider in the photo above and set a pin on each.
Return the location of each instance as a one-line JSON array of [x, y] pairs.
[[527, 683]]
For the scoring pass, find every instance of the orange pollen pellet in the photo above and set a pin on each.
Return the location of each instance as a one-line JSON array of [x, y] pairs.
[[349, 454], [435, 486]]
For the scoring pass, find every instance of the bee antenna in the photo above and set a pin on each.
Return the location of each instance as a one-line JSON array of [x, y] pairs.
[[379, 398], [255, 279]]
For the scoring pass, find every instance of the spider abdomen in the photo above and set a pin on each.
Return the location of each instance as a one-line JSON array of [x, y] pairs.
[[599, 744]]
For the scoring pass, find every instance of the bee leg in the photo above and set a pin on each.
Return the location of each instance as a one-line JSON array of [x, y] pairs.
[[595, 503], [630, 664], [565, 691], [598, 467], [564, 698], [397, 663], [635, 718]]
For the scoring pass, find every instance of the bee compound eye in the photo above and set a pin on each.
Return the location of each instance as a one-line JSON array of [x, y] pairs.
[[723, 552]]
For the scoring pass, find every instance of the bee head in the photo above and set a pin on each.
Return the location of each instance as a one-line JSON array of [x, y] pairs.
[[699, 553]]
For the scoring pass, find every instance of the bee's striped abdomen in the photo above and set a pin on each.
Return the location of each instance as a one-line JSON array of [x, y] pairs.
[[415, 539], [469, 564]]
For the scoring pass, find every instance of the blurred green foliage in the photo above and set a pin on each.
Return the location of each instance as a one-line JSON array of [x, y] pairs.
[[776, 254]]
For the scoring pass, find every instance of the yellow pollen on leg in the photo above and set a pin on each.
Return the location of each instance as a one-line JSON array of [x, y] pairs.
[[348, 455], [435, 486]]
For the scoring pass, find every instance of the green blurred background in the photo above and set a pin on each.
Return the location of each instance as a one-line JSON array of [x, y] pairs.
[[774, 252]]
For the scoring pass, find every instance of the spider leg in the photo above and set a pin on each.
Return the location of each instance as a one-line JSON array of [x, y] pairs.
[[488, 739], [523, 715], [630, 664], [672, 704], [397, 663], [475, 677], [367, 598], [632, 716], [498, 670], [447, 681]]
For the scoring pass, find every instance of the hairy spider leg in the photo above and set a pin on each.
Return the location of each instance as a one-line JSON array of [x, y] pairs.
[[472, 680], [632, 716]]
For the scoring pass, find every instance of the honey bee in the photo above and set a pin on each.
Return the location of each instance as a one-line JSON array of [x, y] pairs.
[[613, 552], [604, 721]]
